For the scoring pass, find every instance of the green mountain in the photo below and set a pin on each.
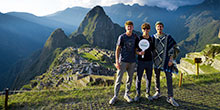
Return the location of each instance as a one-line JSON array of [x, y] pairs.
[[96, 30], [203, 27], [99, 29], [34, 66]]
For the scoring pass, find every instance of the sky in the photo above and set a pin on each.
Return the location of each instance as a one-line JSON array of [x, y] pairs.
[[45, 7]]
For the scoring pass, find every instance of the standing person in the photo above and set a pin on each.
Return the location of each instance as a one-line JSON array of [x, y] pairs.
[[144, 63], [165, 52], [126, 61]]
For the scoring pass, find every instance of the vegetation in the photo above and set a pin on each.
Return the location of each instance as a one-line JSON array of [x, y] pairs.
[[217, 57], [89, 56], [197, 92], [211, 50], [208, 69], [85, 46], [188, 60]]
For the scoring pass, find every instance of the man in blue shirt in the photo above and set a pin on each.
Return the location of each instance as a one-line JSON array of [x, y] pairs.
[[125, 60]]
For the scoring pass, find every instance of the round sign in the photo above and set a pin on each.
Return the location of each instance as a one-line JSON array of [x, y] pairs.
[[144, 45]]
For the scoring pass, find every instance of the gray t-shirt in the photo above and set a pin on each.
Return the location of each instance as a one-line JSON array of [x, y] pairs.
[[127, 44]]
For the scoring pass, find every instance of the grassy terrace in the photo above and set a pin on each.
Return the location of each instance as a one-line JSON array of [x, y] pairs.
[[217, 57], [196, 93], [188, 60], [208, 69], [92, 57]]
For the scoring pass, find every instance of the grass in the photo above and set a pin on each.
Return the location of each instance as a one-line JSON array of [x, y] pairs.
[[217, 57], [208, 69], [188, 60], [197, 92], [89, 56], [103, 77]]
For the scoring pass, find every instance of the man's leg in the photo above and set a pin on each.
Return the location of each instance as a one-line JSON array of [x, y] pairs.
[[119, 78], [157, 83], [169, 84], [140, 70], [118, 82], [148, 76], [130, 70], [170, 98], [157, 80]]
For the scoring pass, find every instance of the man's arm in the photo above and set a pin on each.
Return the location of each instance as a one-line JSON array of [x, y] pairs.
[[172, 53], [117, 51]]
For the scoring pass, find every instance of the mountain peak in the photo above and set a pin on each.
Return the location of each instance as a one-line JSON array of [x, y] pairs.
[[95, 16], [58, 31], [96, 10], [57, 34], [56, 39], [98, 28]]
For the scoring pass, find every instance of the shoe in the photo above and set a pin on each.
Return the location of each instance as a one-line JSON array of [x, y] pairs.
[[172, 101], [156, 95], [149, 97], [113, 100], [137, 98], [128, 99]]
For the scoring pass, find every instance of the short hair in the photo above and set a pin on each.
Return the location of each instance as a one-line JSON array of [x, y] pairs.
[[159, 23], [145, 25], [128, 23]]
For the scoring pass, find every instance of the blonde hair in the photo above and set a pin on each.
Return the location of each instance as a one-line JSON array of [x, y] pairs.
[[128, 23]]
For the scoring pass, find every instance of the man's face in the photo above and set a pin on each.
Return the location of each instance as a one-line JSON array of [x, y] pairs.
[[145, 30], [129, 28], [159, 27]]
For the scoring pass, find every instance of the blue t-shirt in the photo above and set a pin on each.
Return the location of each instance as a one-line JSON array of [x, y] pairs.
[[128, 46]]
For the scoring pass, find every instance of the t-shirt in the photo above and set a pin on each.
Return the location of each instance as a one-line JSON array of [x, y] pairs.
[[128, 46], [148, 53]]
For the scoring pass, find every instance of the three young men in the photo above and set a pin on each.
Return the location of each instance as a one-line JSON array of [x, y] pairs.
[[164, 51]]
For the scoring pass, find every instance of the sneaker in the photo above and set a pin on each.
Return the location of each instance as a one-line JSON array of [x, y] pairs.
[[156, 95], [113, 100], [172, 101], [127, 98], [137, 98], [149, 97]]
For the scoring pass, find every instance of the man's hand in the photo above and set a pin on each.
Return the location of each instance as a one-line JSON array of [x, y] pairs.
[[170, 63], [117, 65], [141, 53]]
